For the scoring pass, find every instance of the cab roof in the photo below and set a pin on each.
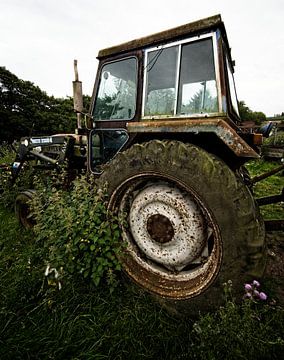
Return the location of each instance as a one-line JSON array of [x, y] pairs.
[[194, 28]]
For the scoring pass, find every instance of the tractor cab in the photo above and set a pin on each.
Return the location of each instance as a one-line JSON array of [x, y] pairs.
[[176, 83]]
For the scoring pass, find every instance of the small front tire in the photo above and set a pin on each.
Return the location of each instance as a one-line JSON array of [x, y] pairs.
[[23, 209]]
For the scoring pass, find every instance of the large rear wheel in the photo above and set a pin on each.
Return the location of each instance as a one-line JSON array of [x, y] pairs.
[[191, 223]]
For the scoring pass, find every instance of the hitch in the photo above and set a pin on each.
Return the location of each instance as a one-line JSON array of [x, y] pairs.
[[274, 225], [273, 199], [266, 175], [270, 225], [51, 150]]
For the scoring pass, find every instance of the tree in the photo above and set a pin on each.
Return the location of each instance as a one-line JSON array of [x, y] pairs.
[[160, 102], [201, 101], [25, 109], [246, 114]]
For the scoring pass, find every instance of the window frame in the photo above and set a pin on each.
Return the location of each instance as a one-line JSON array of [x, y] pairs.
[[179, 43], [99, 83], [91, 166], [231, 86]]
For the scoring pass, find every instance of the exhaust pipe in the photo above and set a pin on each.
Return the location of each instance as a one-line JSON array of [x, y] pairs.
[[78, 96]]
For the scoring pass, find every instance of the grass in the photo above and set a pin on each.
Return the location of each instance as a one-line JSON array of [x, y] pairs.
[[269, 186], [80, 321], [85, 322]]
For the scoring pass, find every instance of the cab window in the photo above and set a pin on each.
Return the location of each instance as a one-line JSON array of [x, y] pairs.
[[197, 85], [181, 79], [232, 87], [116, 98], [105, 144]]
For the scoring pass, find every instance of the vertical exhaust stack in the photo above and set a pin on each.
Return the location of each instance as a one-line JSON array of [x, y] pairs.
[[78, 97]]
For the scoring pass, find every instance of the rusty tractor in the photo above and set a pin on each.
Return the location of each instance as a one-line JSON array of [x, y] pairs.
[[164, 133]]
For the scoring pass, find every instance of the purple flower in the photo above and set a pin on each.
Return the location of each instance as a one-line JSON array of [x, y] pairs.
[[256, 293], [262, 296], [248, 295], [256, 283], [248, 287], [252, 291]]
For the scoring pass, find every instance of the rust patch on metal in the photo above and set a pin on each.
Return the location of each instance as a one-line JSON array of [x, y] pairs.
[[160, 228], [156, 278], [164, 36], [168, 286], [217, 126]]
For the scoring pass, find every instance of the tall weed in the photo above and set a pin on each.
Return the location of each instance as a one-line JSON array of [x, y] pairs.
[[81, 236], [8, 188]]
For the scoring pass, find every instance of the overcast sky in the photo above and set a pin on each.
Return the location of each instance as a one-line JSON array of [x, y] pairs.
[[40, 38]]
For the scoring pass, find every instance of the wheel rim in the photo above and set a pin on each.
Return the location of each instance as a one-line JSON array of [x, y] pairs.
[[23, 209], [25, 215], [174, 246], [158, 220]]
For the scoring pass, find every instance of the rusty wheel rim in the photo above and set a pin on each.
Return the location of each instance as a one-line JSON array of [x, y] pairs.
[[163, 259]]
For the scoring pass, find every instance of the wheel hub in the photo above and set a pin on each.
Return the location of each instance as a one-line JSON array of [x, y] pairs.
[[160, 228], [167, 226]]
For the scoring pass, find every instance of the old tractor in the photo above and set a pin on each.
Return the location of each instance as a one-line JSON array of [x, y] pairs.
[[164, 133]]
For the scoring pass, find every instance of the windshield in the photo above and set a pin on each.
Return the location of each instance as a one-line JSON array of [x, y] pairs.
[[181, 80], [116, 97]]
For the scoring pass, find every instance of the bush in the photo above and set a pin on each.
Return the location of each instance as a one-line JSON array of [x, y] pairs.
[[81, 236]]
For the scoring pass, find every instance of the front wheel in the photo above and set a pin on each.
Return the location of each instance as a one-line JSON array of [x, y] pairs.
[[23, 208], [191, 224]]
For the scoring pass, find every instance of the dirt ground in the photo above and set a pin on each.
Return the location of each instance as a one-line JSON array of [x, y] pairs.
[[275, 265]]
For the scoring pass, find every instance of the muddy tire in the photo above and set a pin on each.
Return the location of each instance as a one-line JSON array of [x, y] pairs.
[[192, 224], [22, 208]]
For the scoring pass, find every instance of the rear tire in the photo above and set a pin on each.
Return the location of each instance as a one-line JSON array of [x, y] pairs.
[[192, 224]]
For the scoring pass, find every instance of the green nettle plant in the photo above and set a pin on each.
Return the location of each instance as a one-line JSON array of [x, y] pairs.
[[81, 235], [6, 158], [8, 190]]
